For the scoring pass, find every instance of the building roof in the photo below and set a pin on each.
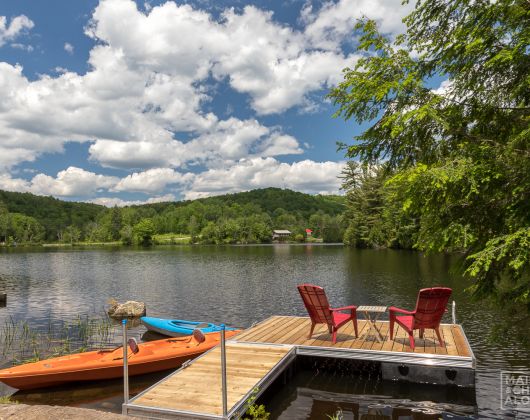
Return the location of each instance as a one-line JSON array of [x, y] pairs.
[[285, 232]]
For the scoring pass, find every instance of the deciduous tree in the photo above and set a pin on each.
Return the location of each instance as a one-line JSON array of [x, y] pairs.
[[459, 155]]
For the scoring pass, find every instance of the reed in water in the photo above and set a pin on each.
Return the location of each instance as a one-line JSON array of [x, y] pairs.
[[21, 343]]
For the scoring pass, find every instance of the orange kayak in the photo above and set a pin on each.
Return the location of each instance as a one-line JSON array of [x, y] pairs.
[[151, 356]]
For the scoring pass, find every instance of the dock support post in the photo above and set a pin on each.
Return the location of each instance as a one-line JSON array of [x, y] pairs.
[[223, 372], [454, 312], [125, 369]]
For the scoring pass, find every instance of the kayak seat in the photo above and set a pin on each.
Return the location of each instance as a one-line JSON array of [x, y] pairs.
[[133, 345], [198, 336]]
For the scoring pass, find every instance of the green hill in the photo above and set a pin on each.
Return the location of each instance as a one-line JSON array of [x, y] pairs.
[[271, 199], [270, 207], [51, 213]]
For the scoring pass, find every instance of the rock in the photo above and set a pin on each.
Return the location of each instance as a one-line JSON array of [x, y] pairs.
[[129, 309]]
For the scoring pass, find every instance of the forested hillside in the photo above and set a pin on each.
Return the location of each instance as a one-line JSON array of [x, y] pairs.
[[247, 217], [51, 214]]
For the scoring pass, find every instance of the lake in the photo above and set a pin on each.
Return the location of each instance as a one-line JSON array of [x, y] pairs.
[[240, 285]]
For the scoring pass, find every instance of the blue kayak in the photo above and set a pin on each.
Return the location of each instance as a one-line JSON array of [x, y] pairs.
[[179, 327]]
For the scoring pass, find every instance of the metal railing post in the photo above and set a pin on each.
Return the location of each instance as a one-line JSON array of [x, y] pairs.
[[454, 312], [223, 371], [125, 368]]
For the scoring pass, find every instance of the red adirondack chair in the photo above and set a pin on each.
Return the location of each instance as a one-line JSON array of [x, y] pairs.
[[430, 307], [317, 305]]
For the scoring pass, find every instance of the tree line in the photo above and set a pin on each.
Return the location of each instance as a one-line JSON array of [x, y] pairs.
[[229, 219]]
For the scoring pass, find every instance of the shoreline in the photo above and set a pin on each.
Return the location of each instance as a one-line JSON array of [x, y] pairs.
[[53, 412], [121, 245]]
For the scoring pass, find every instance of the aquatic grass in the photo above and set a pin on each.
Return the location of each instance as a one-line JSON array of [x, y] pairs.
[[6, 399], [339, 415], [255, 411], [20, 343]]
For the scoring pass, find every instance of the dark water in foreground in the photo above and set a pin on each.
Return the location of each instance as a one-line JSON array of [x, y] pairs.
[[241, 285]]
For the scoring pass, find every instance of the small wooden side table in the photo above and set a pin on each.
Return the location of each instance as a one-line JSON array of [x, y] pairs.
[[372, 314]]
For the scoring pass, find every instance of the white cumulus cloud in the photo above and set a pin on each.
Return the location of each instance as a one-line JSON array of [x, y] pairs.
[[71, 182], [330, 25], [152, 180], [144, 103], [114, 201], [306, 176], [17, 26], [69, 48]]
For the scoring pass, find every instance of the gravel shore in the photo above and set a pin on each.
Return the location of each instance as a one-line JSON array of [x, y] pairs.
[[48, 412]]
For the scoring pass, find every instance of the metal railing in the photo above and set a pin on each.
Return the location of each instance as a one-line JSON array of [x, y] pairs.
[[224, 389], [223, 372], [125, 369]]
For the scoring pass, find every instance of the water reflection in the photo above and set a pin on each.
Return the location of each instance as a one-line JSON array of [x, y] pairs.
[[239, 285], [323, 387], [106, 395]]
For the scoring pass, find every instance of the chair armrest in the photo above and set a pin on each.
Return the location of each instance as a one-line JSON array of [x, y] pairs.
[[344, 308], [401, 311]]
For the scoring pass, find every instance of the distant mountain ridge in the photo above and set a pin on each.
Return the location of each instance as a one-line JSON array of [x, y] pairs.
[[54, 214], [270, 199]]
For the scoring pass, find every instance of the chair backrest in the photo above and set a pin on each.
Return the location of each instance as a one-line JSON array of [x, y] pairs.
[[316, 303], [430, 306]]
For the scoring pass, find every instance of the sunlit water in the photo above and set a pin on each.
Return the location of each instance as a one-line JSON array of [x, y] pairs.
[[242, 285]]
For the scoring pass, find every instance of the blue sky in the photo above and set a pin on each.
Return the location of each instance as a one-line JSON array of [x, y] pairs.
[[117, 101]]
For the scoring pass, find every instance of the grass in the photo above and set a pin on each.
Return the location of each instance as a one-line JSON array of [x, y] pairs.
[[84, 243], [171, 238], [20, 343], [6, 399], [339, 415]]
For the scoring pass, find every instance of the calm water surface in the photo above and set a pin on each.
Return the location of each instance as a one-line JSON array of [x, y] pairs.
[[242, 285]]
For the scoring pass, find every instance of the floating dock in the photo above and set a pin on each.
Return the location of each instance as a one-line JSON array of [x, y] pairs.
[[258, 355], [198, 386]]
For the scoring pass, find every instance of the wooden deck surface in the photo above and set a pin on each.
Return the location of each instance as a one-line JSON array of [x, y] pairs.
[[257, 355], [197, 388], [294, 330]]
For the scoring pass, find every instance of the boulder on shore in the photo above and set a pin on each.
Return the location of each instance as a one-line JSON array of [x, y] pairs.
[[129, 309]]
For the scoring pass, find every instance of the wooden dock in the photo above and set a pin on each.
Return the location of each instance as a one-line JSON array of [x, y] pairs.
[[195, 391], [258, 355], [293, 330]]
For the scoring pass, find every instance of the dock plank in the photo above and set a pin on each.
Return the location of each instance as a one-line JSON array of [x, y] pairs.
[[439, 349], [199, 385], [450, 344], [294, 331], [349, 331], [246, 334], [273, 333], [281, 335], [460, 341], [301, 335], [277, 322], [320, 329], [259, 353]]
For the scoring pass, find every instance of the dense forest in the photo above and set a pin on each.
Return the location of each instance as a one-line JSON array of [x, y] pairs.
[[247, 217]]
